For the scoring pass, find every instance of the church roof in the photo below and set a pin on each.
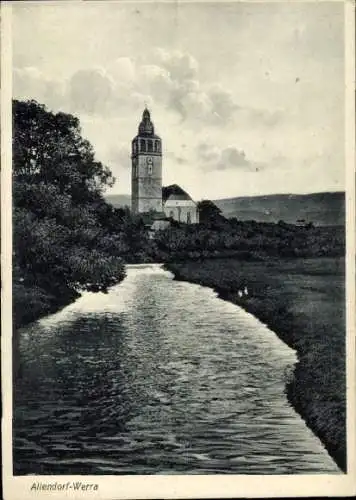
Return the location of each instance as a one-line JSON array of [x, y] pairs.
[[174, 192]]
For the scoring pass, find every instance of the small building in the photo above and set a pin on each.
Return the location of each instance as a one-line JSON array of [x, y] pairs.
[[301, 223], [178, 205], [158, 225]]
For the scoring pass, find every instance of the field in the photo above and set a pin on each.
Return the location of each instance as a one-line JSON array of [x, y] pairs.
[[303, 301]]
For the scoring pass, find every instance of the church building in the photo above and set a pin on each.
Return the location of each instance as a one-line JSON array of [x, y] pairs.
[[146, 179]]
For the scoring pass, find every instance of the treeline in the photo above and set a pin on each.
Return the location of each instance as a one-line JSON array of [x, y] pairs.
[[249, 240], [218, 237]]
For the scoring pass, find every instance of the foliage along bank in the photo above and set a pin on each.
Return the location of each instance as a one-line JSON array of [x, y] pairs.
[[62, 245]]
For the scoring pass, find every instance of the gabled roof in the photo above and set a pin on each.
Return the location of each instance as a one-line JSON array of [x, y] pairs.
[[174, 192]]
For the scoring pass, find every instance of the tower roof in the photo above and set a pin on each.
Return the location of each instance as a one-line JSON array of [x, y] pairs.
[[174, 192], [146, 126]]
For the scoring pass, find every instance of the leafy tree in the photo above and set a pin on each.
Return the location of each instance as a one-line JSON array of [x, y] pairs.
[[49, 148], [209, 212], [63, 228]]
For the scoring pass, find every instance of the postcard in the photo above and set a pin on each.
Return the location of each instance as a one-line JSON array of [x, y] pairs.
[[178, 249]]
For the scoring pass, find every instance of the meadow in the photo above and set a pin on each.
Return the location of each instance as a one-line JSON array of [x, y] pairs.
[[303, 302]]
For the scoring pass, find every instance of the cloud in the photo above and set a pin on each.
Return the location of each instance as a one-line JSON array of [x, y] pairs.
[[222, 102], [191, 103], [208, 153], [264, 117], [118, 156], [175, 78], [181, 66], [30, 83], [90, 91], [122, 70], [169, 79], [180, 160], [230, 157], [156, 81]]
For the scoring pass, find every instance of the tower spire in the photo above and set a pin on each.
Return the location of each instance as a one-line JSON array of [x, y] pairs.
[[146, 126]]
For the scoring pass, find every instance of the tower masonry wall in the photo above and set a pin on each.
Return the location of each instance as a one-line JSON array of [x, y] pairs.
[[146, 183]]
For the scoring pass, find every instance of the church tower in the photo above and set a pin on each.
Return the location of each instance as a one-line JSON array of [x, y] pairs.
[[146, 177]]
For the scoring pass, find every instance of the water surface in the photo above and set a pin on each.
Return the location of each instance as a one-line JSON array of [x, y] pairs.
[[157, 377]]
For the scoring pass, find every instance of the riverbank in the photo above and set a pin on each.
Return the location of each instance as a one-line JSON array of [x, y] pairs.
[[31, 303], [303, 302]]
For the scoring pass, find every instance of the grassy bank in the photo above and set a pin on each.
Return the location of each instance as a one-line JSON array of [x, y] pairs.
[[302, 300]]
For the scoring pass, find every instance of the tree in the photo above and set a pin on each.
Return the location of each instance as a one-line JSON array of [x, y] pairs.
[[49, 148], [209, 212], [61, 239]]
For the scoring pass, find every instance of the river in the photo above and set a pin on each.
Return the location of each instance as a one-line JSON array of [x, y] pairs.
[[157, 377]]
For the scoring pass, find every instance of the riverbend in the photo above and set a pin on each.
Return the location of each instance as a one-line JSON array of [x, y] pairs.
[[157, 377]]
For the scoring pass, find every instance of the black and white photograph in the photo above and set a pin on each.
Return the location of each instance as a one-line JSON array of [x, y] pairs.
[[179, 207]]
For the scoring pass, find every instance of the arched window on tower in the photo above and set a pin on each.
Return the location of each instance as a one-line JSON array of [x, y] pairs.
[[149, 143], [134, 147], [142, 145]]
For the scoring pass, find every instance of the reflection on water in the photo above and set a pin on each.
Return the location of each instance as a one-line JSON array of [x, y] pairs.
[[157, 377]]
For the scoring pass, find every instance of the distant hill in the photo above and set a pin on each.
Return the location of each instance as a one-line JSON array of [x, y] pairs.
[[322, 209], [119, 200]]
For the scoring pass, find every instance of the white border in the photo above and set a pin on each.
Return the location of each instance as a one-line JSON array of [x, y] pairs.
[[6, 239], [207, 486]]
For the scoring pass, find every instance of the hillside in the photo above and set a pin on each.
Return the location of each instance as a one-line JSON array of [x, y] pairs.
[[323, 209], [119, 200]]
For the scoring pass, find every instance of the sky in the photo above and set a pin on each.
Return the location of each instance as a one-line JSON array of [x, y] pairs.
[[248, 98]]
